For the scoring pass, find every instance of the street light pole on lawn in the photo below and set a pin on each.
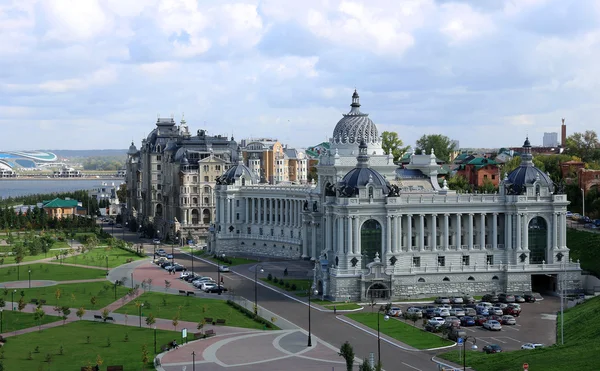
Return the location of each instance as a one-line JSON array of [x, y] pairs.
[[1, 320], [219, 274], [141, 306], [464, 344], [154, 339], [310, 292], [193, 361], [30, 278], [12, 299], [583, 201], [256, 288], [385, 317]]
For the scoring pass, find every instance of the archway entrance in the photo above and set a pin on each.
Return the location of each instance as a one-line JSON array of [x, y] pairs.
[[378, 291], [370, 240], [538, 240]]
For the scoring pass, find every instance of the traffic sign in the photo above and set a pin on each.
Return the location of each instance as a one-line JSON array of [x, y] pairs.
[[525, 366], [460, 340]]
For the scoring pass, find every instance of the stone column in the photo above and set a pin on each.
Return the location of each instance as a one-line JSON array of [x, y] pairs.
[[458, 231], [387, 249], [563, 230], [399, 233], [247, 211], [433, 234], [271, 213], [394, 234], [519, 231], [525, 232], [409, 232], [482, 231], [554, 230], [350, 248], [446, 228], [305, 240], [264, 206], [340, 234], [470, 232], [227, 212], [328, 232], [495, 231], [421, 232], [314, 241], [356, 229], [509, 237]]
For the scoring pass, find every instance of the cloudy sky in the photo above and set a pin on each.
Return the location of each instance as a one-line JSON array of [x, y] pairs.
[[78, 74]]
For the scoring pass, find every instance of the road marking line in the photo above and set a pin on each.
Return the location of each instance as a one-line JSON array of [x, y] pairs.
[[502, 341], [413, 367], [483, 340], [511, 328], [506, 337]]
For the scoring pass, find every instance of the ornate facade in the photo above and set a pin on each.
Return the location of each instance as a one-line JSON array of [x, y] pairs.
[[374, 230]]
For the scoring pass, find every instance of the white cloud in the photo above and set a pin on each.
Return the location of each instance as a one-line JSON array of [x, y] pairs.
[[460, 23], [75, 20]]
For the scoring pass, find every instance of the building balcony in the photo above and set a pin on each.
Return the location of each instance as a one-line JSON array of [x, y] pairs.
[[511, 268], [246, 236]]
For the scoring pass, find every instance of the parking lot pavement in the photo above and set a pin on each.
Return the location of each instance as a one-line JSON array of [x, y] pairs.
[[536, 324]]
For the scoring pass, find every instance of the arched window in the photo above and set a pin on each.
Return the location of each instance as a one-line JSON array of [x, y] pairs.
[[446, 279], [421, 279], [206, 200], [370, 192], [495, 278], [243, 181], [471, 278], [195, 200]]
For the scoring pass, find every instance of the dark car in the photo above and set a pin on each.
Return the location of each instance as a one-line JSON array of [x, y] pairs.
[[215, 289], [513, 310], [529, 298], [190, 277], [491, 298], [467, 321], [479, 320], [492, 348], [506, 298]]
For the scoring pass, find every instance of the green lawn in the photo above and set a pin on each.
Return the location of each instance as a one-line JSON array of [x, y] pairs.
[[74, 295], [580, 349], [343, 306], [52, 272], [15, 320], [585, 247], [301, 285], [234, 260], [189, 309], [413, 336], [97, 257], [78, 352]]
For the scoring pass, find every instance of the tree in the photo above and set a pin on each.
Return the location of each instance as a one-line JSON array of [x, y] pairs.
[[145, 356], [175, 321], [487, 186], [347, 352], [93, 301], [440, 144], [459, 183], [167, 285], [65, 313], [392, 145], [105, 314], [80, 312], [584, 145], [21, 304], [38, 316], [365, 366], [150, 320]]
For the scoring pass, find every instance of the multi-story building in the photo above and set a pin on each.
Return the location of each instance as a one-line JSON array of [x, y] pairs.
[[275, 163], [171, 178], [550, 140], [374, 230]]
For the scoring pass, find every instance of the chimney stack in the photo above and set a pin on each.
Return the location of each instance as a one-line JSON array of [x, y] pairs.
[[563, 134]]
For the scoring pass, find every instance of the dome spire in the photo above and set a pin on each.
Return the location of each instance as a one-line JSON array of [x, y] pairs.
[[355, 110], [526, 157], [363, 157]]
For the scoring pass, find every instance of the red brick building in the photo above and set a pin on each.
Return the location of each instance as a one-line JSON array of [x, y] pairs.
[[479, 169], [588, 179], [570, 169]]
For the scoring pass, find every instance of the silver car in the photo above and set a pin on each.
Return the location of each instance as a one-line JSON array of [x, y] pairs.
[[458, 312], [492, 325], [508, 320]]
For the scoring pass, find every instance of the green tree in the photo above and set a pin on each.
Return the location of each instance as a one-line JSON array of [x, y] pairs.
[[487, 187], [80, 312], [440, 144], [38, 316], [150, 320], [583, 145], [365, 366], [459, 183], [347, 352], [392, 145]]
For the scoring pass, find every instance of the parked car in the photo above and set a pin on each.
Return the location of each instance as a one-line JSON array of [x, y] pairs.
[[513, 310], [506, 298], [480, 320], [156, 241], [496, 311], [216, 289], [569, 215], [442, 300], [468, 299], [452, 321], [441, 312], [436, 321], [529, 298], [531, 346], [457, 333], [519, 299], [470, 312], [414, 311], [190, 277], [456, 300], [207, 285], [458, 312], [394, 312], [467, 321], [432, 327], [492, 298], [508, 320], [430, 312], [482, 311], [176, 268], [492, 325], [223, 268], [492, 348]]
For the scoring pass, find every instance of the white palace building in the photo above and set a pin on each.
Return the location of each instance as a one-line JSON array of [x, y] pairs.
[[374, 229]]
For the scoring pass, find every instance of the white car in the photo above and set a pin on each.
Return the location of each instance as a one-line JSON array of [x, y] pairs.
[[456, 300], [492, 325], [532, 346], [198, 283], [207, 285], [458, 312], [223, 268], [394, 312], [156, 241], [437, 321], [415, 311], [496, 311], [441, 312], [484, 304]]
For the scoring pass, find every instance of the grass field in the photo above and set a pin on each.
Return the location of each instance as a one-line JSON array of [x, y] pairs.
[[413, 336], [105, 340], [585, 247], [74, 295], [343, 306], [52, 272], [580, 349], [234, 260], [301, 285], [97, 257], [13, 320], [189, 309]]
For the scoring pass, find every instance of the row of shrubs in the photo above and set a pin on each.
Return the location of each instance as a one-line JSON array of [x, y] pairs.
[[282, 282], [225, 260], [250, 314]]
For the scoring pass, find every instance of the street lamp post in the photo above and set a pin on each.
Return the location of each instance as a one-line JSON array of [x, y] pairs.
[[18, 272], [116, 283], [1, 320], [583, 200], [12, 299], [193, 361], [29, 278], [385, 318], [141, 306], [219, 275], [311, 291], [107, 265], [256, 288], [154, 339], [464, 344]]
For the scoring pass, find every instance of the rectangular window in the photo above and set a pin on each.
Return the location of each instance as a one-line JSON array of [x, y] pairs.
[[416, 261], [441, 261], [158, 167], [159, 186], [466, 260], [272, 232], [490, 260], [249, 230], [158, 158], [206, 178], [292, 234], [484, 176], [205, 167], [260, 231], [493, 176], [237, 216], [237, 203], [426, 240], [218, 167]]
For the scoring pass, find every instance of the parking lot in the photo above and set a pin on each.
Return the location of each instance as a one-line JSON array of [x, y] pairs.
[[536, 324]]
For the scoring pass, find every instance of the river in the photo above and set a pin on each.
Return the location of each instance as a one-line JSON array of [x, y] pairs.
[[24, 187]]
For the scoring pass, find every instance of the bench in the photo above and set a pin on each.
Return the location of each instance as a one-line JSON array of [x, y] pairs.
[[97, 316], [208, 320], [209, 333], [109, 318], [34, 301], [191, 293], [181, 292], [220, 321], [114, 368], [93, 368], [165, 348], [43, 301]]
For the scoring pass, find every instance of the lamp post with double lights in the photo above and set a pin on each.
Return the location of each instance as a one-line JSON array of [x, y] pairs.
[[383, 309], [464, 340], [311, 291], [219, 275], [256, 268], [141, 306]]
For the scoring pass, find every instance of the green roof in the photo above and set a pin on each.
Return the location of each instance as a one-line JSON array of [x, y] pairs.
[[57, 202], [480, 162]]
